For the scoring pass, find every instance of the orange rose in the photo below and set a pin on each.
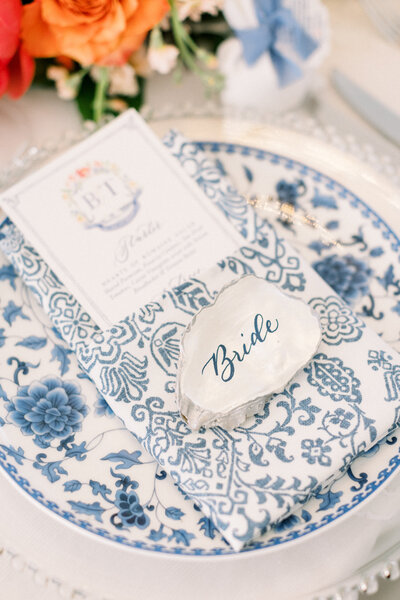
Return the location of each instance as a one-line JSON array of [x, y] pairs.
[[89, 31]]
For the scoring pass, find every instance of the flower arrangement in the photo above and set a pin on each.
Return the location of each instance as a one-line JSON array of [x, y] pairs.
[[100, 52]]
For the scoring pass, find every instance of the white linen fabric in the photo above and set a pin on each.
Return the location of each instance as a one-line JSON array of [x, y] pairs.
[[338, 406]]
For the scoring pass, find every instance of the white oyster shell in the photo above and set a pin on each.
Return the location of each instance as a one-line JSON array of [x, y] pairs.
[[220, 380]]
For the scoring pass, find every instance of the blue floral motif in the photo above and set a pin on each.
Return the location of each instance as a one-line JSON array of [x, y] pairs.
[[280, 267], [209, 174], [332, 378], [7, 273], [389, 280], [128, 381], [321, 200], [48, 409], [60, 353], [316, 451], [102, 408], [190, 296], [130, 510], [341, 422], [328, 499], [391, 374], [72, 321], [290, 192], [287, 523], [11, 237], [379, 359], [347, 275], [342, 418], [338, 322], [12, 311], [165, 346]]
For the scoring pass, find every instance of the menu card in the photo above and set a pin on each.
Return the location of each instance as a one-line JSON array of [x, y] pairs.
[[119, 220]]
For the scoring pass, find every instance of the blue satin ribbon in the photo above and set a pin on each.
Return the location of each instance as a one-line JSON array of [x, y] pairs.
[[274, 19]]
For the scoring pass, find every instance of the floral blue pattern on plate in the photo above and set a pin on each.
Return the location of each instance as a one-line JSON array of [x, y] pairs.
[[98, 477]]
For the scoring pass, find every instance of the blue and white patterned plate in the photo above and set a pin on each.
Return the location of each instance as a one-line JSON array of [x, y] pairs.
[[75, 457]]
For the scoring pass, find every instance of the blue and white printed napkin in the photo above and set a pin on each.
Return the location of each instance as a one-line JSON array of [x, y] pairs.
[[339, 405]]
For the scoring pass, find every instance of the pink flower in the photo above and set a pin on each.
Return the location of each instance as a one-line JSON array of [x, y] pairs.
[[16, 66]]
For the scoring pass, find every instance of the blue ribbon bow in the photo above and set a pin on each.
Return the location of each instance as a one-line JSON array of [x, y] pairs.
[[274, 19]]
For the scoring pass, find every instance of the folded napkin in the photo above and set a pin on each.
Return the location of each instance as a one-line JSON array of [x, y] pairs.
[[339, 405]]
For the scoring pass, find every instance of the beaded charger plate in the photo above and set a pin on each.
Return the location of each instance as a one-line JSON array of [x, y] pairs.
[[94, 474]]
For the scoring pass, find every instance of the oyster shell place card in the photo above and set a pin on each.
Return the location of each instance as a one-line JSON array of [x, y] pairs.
[[340, 404], [241, 349]]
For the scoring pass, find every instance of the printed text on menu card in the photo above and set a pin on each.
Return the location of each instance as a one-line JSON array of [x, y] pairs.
[[118, 220]]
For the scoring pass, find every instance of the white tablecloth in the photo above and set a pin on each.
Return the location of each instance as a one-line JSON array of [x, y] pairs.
[[357, 50]]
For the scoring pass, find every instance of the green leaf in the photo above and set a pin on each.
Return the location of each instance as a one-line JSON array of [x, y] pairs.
[[85, 98], [87, 92]]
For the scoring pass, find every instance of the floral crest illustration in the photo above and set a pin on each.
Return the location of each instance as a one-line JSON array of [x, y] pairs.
[[101, 196]]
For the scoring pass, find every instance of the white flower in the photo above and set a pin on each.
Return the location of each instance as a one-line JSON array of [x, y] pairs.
[[56, 73], [162, 58], [66, 91], [67, 85], [193, 9], [123, 81]]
